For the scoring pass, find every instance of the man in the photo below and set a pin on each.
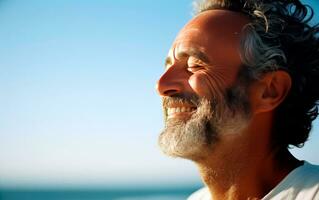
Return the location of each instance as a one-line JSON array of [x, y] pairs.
[[240, 87]]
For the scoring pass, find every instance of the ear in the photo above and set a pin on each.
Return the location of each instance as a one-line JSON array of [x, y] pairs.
[[270, 90]]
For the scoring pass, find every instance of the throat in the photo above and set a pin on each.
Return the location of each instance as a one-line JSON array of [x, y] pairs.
[[252, 179]]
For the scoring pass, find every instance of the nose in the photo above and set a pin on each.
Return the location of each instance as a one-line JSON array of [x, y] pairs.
[[172, 82]]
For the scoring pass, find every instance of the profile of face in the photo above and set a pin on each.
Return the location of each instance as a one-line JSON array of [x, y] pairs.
[[204, 98]]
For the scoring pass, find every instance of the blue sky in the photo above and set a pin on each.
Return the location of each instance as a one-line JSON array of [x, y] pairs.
[[78, 102]]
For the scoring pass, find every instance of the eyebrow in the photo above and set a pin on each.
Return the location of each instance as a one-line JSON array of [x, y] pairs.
[[192, 52]]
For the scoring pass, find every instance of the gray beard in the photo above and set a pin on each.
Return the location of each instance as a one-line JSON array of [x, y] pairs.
[[194, 139], [186, 139]]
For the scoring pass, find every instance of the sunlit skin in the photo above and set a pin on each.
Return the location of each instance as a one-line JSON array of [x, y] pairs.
[[204, 60], [188, 72]]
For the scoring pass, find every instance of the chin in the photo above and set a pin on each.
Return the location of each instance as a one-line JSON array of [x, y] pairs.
[[187, 140]]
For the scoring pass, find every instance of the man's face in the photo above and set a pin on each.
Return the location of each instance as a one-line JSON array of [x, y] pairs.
[[203, 98]]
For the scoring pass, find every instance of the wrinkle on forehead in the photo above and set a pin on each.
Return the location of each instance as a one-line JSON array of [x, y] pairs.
[[216, 33], [184, 41], [209, 25], [180, 48], [194, 32]]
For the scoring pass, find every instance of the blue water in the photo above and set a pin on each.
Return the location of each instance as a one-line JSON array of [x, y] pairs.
[[101, 194]]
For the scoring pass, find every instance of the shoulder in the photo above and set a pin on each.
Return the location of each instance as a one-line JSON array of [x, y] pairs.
[[305, 176], [201, 194], [309, 173], [302, 183]]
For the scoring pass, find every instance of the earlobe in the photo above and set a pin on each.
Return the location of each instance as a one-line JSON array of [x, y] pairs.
[[272, 90]]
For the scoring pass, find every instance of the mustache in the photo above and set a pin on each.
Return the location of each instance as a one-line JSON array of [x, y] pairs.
[[190, 99]]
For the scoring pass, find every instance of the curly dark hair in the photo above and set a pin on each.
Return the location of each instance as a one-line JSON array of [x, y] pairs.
[[280, 37]]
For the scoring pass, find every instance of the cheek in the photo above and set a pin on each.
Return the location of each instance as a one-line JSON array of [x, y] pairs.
[[207, 85]]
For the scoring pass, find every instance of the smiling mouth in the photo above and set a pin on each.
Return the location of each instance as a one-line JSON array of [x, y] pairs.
[[179, 112]]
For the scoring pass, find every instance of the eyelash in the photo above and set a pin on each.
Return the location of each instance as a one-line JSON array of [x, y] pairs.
[[194, 68]]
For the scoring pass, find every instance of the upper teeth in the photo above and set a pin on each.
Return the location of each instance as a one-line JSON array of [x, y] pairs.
[[179, 109]]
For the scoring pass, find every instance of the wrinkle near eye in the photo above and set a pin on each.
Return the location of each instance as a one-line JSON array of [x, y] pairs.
[[204, 79], [214, 82], [194, 61]]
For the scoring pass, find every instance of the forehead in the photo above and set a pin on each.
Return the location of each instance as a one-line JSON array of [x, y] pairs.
[[214, 32]]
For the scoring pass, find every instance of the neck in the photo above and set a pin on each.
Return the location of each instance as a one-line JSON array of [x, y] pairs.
[[245, 170], [253, 180]]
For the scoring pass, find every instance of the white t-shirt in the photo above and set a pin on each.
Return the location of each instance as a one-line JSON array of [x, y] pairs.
[[300, 184]]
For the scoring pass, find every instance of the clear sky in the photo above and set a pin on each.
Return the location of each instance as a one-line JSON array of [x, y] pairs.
[[78, 102]]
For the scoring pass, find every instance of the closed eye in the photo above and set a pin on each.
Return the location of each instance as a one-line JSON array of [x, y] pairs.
[[195, 64], [194, 68]]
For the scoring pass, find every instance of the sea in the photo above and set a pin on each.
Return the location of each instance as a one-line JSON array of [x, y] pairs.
[[97, 194]]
